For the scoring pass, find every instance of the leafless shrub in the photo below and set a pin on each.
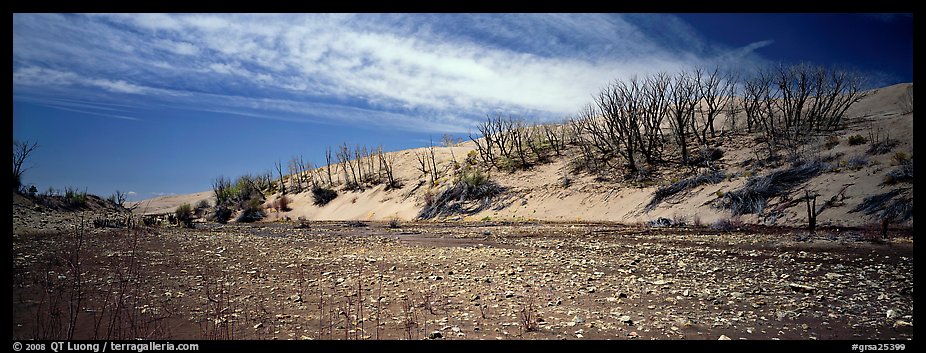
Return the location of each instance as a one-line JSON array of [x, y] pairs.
[[857, 162], [409, 317], [901, 174], [886, 206], [753, 197], [856, 140], [727, 224], [355, 224], [528, 315], [882, 146], [473, 185], [683, 185]]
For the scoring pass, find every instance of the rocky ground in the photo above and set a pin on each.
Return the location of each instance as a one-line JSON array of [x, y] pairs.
[[343, 280]]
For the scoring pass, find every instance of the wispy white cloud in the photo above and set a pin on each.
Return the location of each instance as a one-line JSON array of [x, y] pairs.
[[83, 107], [420, 72], [123, 117]]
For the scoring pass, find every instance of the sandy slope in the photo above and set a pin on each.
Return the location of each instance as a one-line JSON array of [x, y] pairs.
[[165, 204], [537, 194]]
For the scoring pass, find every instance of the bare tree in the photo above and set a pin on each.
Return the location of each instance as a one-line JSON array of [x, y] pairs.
[[734, 104], [447, 140], [387, 162], [484, 145], [790, 104], [715, 90], [518, 140], [555, 136], [596, 137], [536, 141], [279, 167], [328, 164], [434, 172], [296, 176], [21, 152], [684, 98], [345, 161], [118, 198], [423, 165], [653, 110], [620, 104], [754, 92]]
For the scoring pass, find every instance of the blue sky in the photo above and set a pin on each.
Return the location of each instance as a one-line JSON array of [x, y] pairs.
[[163, 103]]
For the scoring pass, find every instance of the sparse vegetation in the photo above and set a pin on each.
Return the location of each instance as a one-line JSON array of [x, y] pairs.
[[244, 194], [221, 214], [882, 146], [831, 141], [887, 208], [252, 212], [901, 174], [857, 162], [75, 199], [683, 185], [900, 158], [117, 198], [201, 207], [322, 196], [473, 184], [753, 197], [282, 203], [355, 224], [184, 215], [856, 140], [21, 152], [727, 224]]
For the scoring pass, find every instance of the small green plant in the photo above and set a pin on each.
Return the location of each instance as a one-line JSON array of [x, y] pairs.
[[74, 198], [474, 178], [856, 140], [394, 223], [184, 215]]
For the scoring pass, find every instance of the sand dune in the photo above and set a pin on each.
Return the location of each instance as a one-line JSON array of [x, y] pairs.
[[537, 194]]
